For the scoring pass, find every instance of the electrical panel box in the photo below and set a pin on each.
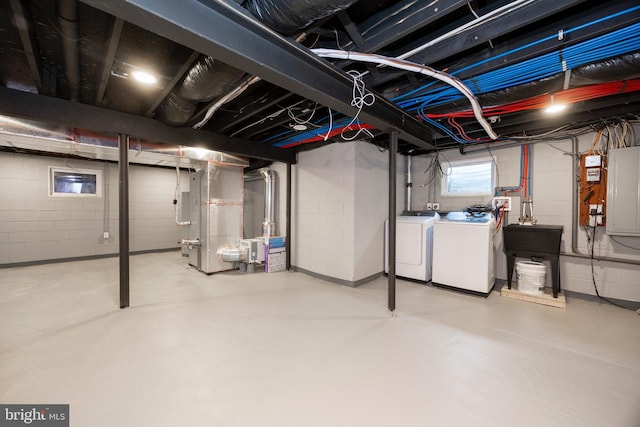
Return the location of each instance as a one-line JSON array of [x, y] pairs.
[[593, 175], [593, 190], [623, 192], [594, 161]]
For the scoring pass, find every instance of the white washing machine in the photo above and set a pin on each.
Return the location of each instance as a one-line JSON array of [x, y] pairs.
[[414, 243], [463, 252]]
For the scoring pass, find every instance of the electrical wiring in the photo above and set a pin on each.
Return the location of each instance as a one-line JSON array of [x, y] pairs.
[[359, 99], [308, 137], [264, 119], [495, 14], [591, 241], [624, 244], [326, 137], [568, 96], [435, 170], [612, 44], [298, 121], [416, 68]]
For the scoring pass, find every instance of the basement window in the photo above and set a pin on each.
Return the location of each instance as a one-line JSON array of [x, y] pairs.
[[469, 178], [67, 182]]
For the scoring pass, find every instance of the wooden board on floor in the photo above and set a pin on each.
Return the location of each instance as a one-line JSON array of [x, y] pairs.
[[546, 298]]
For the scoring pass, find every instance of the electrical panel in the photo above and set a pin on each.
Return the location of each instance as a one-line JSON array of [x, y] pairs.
[[623, 192], [593, 190]]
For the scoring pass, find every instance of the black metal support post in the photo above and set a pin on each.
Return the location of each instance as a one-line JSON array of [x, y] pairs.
[[393, 148], [288, 239], [123, 167]]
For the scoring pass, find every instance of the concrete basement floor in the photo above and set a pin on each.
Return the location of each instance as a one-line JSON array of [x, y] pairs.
[[285, 349]]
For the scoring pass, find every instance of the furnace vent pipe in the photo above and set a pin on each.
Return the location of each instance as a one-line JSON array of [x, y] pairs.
[[269, 225], [68, 19]]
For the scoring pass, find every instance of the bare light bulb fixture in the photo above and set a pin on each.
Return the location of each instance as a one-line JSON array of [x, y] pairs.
[[554, 108], [144, 77]]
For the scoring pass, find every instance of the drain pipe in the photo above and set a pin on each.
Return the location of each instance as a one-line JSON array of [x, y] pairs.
[[68, 20], [269, 225], [409, 184]]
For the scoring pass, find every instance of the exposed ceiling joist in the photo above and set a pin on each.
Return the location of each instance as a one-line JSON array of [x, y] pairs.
[[584, 111], [402, 19], [496, 58], [112, 46], [15, 103], [226, 31], [351, 28], [480, 33], [174, 81], [29, 43], [256, 111]]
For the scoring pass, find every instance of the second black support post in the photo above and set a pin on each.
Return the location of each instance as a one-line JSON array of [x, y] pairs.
[[393, 148], [123, 220]]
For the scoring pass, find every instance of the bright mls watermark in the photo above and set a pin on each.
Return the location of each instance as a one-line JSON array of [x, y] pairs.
[[34, 415]]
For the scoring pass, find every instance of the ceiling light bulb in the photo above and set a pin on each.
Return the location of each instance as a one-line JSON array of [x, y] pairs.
[[555, 108], [144, 77], [300, 127]]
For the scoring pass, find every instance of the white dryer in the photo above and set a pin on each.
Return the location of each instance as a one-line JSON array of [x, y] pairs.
[[414, 244], [463, 252]]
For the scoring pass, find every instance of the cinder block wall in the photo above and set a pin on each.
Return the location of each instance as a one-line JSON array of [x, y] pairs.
[[552, 193], [340, 205], [37, 227]]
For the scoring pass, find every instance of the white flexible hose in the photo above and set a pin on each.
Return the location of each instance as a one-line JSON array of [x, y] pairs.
[[416, 68], [226, 98]]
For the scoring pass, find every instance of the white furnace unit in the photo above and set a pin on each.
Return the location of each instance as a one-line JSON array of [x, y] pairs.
[[414, 242], [463, 252]]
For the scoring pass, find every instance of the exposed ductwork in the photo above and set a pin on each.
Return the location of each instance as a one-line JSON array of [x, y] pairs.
[[68, 19], [210, 79], [207, 80], [28, 135], [232, 253], [269, 224], [289, 16]]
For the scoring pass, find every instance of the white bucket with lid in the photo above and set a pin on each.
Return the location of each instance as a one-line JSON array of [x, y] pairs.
[[531, 277]]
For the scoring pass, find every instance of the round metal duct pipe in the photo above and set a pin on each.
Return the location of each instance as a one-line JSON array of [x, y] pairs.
[[269, 225]]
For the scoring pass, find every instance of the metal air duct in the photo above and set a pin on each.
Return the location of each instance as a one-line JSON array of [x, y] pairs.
[[269, 225], [289, 16], [210, 79], [207, 80]]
